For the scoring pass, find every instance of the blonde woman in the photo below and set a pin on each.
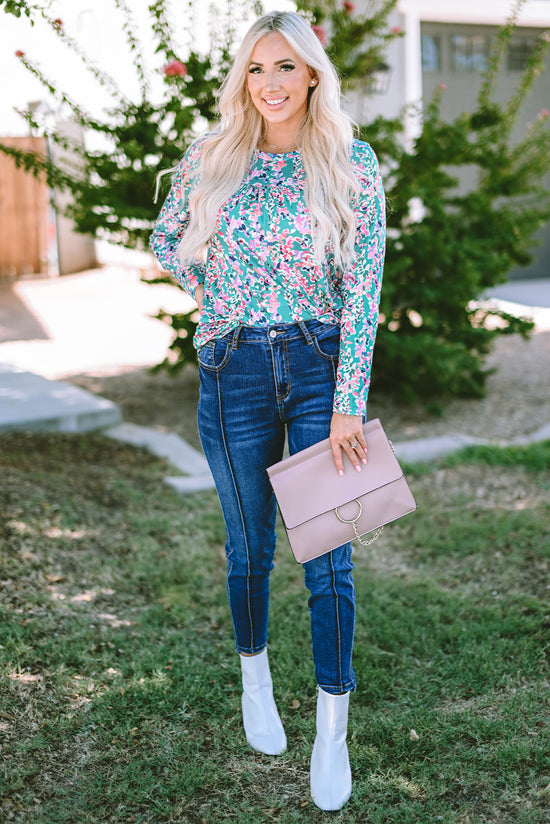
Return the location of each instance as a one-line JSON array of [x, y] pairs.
[[290, 210]]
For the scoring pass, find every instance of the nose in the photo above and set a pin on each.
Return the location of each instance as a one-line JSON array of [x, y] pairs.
[[272, 80]]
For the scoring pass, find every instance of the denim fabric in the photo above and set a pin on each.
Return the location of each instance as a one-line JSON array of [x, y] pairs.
[[256, 384]]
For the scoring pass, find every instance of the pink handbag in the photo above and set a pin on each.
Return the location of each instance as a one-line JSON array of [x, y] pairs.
[[322, 510]]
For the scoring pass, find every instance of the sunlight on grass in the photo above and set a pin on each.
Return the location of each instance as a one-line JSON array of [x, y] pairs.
[[398, 783]]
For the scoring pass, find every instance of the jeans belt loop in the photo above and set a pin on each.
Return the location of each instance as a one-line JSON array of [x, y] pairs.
[[305, 331], [235, 337]]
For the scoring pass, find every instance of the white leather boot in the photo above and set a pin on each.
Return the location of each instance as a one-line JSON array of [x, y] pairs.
[[330, 768], [262, 725]]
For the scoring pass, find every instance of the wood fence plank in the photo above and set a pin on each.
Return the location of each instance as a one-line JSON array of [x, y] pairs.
[[24, 208]]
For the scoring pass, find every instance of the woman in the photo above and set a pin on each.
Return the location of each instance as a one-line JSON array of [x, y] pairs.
[[290, 211]]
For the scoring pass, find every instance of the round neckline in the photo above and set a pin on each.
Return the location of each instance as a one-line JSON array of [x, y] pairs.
[[278, 154]]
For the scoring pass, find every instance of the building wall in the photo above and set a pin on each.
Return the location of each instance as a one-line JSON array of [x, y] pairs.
[[75, 251], [460, 48], [409, 84]]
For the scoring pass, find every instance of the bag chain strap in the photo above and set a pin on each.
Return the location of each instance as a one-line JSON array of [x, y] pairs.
[[353, 521], [371, 540]]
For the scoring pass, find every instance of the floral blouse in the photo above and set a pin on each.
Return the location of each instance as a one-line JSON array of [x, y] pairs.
[[261, 268]]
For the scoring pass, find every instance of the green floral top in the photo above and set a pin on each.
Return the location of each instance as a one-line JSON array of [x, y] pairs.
[[261, 268]]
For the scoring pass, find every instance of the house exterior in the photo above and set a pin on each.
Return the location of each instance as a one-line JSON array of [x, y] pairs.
[[448, 43]]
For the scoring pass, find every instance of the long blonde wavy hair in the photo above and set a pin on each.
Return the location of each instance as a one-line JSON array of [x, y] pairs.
[[324, 140]]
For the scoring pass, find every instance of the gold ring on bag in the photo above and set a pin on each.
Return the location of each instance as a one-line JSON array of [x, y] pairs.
[[353, 522]]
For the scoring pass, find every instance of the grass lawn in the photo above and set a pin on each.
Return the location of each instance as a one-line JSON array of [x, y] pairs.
[[120, 688]]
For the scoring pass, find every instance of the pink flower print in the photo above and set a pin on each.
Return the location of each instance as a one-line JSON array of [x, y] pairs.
[[273, 302], [234, 223], [303, 223], [256, 317]]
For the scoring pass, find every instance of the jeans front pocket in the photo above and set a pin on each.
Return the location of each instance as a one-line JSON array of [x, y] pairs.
[[327, 342], [215, 354]]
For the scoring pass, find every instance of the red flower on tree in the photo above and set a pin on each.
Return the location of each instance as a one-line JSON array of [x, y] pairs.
[[175, 68], [321, 34], [58, 24], [19, 53], [349, 7]]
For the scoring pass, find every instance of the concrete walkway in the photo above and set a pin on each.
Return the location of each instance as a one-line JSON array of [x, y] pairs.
[[101, 321]]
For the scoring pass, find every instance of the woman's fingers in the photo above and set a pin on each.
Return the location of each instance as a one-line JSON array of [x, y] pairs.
[[337, 455], [347, 437]]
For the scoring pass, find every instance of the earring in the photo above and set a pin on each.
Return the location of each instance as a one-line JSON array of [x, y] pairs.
[[313, 83]]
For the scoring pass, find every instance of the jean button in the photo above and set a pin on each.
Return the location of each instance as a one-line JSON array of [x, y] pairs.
[[272, 333]]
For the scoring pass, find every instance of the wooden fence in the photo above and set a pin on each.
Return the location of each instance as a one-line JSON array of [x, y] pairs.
[[23, 214]]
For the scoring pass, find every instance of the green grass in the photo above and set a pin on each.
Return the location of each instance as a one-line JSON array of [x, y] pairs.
[[119, 686]]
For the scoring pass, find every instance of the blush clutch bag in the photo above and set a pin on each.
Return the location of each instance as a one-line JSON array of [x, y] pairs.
[[321, 510]]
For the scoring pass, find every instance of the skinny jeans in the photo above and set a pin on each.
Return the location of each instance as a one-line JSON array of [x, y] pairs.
[[258, 385]]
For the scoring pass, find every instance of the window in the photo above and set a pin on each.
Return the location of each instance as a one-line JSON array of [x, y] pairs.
[[469, 52], [521, 49], [431, 53]]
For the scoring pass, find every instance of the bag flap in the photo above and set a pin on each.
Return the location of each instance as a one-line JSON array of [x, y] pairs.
[[307, 484]]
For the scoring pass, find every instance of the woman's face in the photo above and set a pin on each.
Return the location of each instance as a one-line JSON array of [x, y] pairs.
[[279, 82]]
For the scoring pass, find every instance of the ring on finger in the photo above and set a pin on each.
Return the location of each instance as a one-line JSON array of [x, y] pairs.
[[354, 445]]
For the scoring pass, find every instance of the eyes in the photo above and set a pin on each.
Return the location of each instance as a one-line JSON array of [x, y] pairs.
[[285, 67]]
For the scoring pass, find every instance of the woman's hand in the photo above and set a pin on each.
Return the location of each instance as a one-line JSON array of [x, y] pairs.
[[199, 296], [346, 433]]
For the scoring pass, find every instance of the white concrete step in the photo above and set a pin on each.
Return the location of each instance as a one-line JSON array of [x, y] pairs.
[[35, 404]]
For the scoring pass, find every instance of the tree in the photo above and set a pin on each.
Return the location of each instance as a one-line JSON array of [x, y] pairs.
[[432, 339]]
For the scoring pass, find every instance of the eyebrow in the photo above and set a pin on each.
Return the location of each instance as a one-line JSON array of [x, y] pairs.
[[277, 62]]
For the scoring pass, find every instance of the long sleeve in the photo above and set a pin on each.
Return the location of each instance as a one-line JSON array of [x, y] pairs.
[[172, 222], [360, 291]]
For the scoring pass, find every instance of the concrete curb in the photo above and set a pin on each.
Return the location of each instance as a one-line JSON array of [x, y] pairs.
[[163, 444], [177, 451], [427, 449], [36, 404]]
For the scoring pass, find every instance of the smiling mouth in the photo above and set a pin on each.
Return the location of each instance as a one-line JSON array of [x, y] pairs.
[[275, 101]]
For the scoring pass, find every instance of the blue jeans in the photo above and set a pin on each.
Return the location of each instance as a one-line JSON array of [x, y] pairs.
[[256, 384]]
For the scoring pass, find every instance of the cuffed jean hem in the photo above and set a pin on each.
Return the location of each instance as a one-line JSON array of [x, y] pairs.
[[250, 650], [330, 688]]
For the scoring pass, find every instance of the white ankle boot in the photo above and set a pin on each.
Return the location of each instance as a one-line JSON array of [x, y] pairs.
[[330, 768], [262, 725]]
